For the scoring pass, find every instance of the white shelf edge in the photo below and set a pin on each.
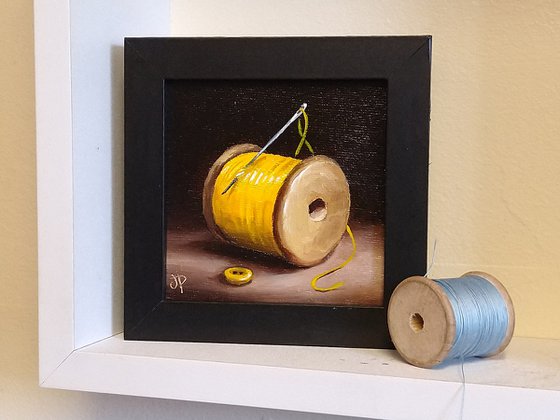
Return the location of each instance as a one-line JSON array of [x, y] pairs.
[[232, 379], [501, 402], [254, 386], [54, 183]]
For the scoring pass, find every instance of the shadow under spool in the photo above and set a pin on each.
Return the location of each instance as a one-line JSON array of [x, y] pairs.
[[311, 209], [422, 322]]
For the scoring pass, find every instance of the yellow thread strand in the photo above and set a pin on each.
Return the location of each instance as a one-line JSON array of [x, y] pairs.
[[245, 213], [303, 140], [338, 267], [303, 135]]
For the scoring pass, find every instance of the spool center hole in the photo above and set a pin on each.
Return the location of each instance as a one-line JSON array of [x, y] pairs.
[[416, 322], [317, 210]]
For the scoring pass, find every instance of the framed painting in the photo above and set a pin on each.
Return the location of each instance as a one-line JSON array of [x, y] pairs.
[[275, 188]]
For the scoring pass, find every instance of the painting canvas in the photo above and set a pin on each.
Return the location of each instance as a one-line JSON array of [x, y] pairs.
[[288, 219]]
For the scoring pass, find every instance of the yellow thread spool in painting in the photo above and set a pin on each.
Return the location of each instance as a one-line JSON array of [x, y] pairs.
[[290, 208]]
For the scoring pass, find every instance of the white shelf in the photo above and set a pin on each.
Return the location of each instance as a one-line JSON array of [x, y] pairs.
[[79, 166], [524, 381]]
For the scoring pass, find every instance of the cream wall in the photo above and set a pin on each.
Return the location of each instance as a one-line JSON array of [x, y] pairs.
[[494, 181]]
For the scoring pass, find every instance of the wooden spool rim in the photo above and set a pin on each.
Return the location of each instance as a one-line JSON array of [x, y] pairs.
[[278, 221], [438, 355]]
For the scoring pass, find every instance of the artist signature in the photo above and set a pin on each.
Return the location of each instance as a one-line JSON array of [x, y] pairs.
[[177, 282]]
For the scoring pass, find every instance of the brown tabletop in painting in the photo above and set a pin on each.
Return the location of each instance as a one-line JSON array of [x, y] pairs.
[[201, 259]]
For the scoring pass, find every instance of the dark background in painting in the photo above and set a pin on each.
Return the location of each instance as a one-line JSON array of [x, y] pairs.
[[348, 120]]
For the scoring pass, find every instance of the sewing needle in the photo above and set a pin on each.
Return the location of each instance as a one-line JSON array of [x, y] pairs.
[[272, 140]]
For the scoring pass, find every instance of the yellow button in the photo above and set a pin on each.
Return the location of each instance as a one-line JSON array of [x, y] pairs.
[[238, 275]]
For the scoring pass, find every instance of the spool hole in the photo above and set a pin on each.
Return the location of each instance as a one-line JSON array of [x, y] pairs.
[[317, 210], [416, 322]]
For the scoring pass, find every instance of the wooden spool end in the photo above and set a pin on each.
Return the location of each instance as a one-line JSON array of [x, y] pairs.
[[422, 322], [310, 212]]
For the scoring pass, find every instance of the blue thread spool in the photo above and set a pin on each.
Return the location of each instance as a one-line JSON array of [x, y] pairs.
[[431, 321]]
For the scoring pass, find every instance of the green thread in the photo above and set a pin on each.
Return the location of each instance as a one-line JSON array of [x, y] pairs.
[[303, 134]]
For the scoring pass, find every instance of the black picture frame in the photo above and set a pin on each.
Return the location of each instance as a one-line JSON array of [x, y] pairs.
[[403, 61]]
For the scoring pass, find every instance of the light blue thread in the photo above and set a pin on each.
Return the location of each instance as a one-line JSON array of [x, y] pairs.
[[481, 316]]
